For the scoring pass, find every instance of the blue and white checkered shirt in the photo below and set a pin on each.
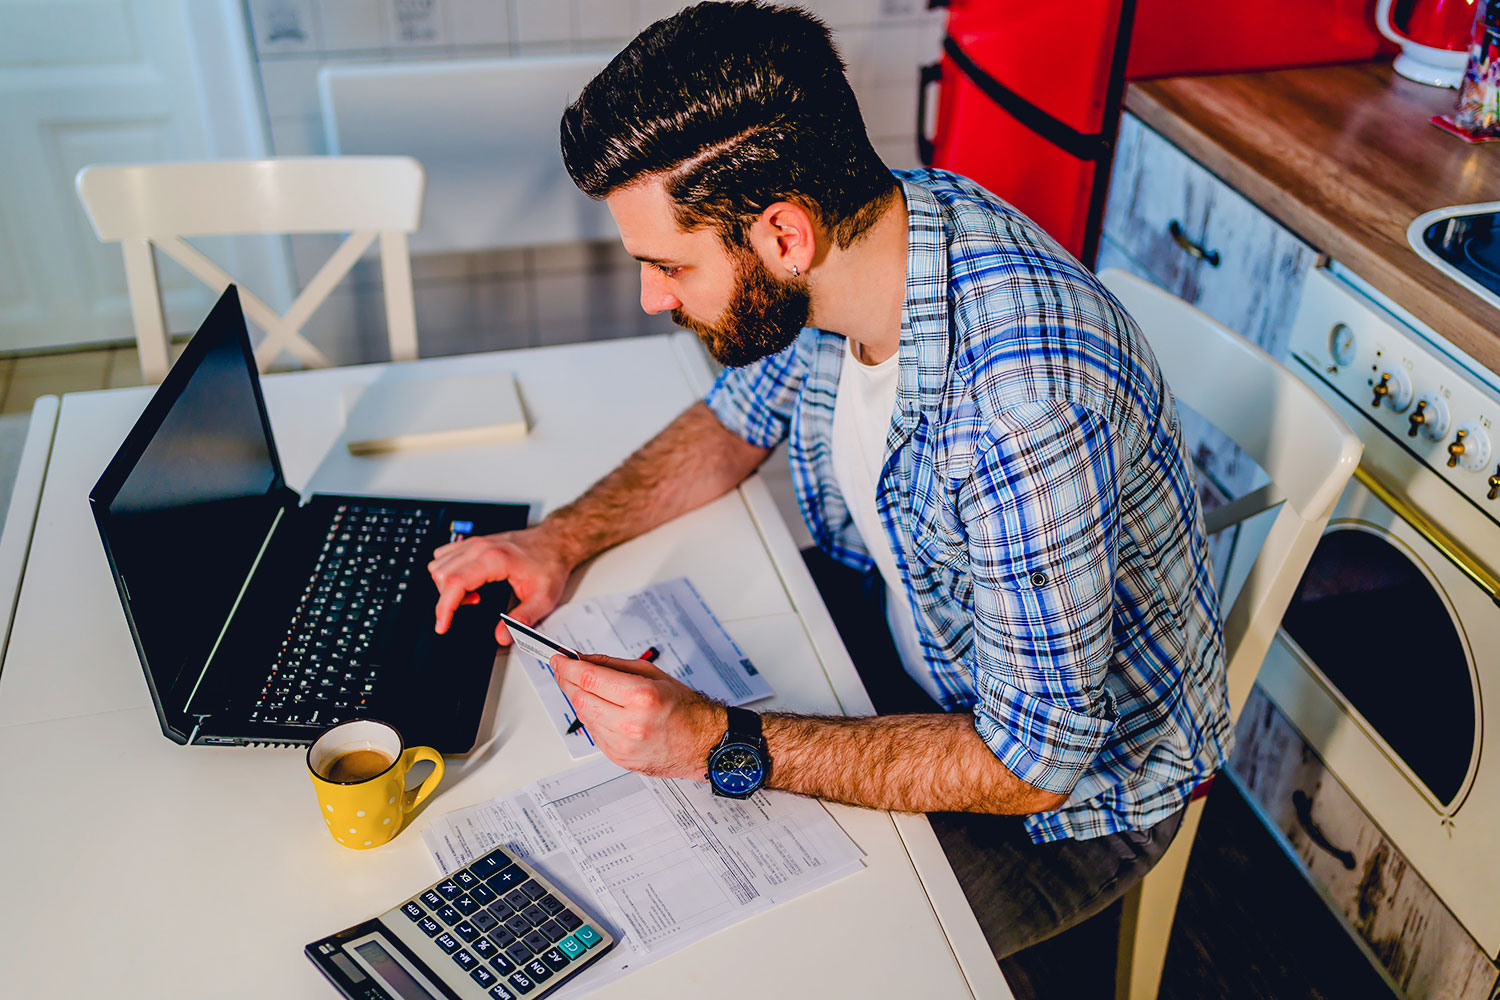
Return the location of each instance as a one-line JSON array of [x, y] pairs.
[[1039, 502]]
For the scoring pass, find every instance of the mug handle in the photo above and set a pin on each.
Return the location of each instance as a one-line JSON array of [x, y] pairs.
[[1385, 24], [414, 798]]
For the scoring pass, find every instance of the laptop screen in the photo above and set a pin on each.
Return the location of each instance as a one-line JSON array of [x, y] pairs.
[[186, 504]]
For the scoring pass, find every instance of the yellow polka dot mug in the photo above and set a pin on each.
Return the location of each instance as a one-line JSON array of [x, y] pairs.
[[359, 771]]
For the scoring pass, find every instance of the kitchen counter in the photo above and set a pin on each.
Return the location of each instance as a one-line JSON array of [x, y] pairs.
[[1344, 157]]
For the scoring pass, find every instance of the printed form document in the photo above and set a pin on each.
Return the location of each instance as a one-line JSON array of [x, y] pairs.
[[662, 863], [693, 647]]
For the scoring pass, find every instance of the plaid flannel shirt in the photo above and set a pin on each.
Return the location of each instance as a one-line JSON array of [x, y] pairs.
[[1039, 502]]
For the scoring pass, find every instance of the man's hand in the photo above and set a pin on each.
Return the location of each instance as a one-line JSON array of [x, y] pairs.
[[536, 568], [642, 718]]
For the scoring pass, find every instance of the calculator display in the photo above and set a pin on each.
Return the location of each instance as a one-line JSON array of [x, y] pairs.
[[391, 973]]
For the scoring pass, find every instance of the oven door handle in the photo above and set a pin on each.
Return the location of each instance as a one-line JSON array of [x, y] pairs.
[[1445, 543]]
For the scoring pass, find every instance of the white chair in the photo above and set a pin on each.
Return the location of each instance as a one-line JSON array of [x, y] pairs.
[[160, 204], [1309, 453]]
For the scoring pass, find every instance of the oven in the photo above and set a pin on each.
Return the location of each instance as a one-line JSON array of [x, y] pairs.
[[1388, 661]]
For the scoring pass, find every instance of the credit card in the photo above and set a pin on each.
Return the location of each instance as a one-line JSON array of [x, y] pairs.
[[534, 642]]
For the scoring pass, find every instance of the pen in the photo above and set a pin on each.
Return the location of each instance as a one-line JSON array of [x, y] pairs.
[[649, 656]]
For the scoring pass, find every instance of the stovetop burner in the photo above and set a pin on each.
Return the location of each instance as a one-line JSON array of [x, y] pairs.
[[1464, 243]]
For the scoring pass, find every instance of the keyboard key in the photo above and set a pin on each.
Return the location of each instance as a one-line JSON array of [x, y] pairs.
[[535, 914], [489, 864], [553, 930], [569, 919], [449, 915], [571, 946], [466, 930], [536, 941], [501, 910], [499, 992], [464, 959], [538, 970], [483, 894], [429, 926], [518, 925], [502, 937], [484, 948], [517, 900], [449, 889], [588, 936], [432, 899], [533, 890], [518, 952], [484, 977], [466, 904], [506, 879], [522, 982], [484, 920], [556, 959], [551, 904], [466, 878], [447, 942], [413, 910], [502, 965]]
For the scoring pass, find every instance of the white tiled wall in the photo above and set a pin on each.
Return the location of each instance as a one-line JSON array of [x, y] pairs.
[[485, 301]]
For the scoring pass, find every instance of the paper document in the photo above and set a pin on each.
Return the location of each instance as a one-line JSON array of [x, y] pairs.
[[693, 647], [662, 863]]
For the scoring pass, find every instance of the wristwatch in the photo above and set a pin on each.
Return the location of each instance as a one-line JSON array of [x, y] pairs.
[[740, 763]]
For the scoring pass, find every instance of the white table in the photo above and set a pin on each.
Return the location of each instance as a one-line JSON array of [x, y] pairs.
[[135, 867]]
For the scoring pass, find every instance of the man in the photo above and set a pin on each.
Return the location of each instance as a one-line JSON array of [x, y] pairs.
[[971, 416]]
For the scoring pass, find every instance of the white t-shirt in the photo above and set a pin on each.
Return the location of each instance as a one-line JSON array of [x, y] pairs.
[[861, 420]]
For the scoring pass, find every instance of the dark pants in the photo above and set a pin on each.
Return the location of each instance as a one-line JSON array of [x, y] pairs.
[[1021, 892]]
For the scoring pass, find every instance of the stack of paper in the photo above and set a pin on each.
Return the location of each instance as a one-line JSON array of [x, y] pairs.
[[662, 863]]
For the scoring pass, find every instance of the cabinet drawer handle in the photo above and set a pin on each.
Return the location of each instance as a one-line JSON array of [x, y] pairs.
[[1180, 238], [1303, 804]]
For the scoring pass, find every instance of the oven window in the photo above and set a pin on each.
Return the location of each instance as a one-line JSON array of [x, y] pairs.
[[1376, 628]]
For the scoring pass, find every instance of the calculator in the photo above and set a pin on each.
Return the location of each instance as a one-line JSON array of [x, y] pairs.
[[496, 930]]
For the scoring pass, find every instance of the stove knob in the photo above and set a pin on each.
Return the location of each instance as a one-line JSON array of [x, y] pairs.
[[1430, 418], [1494, 482], [1394, 388], [1470, 447]]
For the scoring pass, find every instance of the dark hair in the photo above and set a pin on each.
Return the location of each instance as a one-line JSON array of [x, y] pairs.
[[737, 106]]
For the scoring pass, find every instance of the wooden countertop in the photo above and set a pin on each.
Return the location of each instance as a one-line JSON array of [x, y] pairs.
[[1344, 157]]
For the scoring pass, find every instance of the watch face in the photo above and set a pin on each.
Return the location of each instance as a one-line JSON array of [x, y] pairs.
[[736, 769]]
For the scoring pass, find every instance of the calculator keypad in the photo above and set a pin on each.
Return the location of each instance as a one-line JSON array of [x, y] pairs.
[[513, 937]]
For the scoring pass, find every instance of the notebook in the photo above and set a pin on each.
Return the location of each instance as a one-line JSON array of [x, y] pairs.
[[410, 412], [261, 616]]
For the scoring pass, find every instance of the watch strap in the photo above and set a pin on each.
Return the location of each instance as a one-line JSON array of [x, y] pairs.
[[744, 726]]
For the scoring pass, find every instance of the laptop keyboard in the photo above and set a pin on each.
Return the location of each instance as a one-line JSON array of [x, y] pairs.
[[322, 673]]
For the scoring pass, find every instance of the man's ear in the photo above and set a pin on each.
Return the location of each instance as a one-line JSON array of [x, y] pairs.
[[786, 238]]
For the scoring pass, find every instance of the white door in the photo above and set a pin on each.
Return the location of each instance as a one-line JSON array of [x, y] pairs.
[[112, 81]]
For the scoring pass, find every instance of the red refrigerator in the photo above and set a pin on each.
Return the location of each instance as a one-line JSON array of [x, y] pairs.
[[1029, 92]]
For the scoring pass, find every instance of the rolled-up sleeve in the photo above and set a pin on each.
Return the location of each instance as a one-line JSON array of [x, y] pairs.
[[756, 402], [1041, 514]]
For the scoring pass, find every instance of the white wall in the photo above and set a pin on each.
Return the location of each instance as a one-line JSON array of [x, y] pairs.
[[484, 301]]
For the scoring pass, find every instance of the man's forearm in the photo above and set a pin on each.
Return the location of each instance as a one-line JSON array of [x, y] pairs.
[[692, 461], [910, 763]]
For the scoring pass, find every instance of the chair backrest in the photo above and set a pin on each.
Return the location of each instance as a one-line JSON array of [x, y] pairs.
[[158, 205], [1296, 438]]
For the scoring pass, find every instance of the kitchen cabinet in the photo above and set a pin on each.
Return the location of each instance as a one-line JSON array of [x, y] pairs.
[[1170, 221]]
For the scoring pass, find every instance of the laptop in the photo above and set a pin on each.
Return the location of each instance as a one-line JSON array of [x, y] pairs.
[[263, 617]]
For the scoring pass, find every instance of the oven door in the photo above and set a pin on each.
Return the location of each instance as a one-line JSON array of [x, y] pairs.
[[1382, 664]]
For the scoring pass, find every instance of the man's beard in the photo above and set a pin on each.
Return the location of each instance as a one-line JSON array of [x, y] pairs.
[[764, 316]]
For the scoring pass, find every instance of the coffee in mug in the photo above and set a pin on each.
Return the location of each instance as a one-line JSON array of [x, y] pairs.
[[358, 769], [358, 765]]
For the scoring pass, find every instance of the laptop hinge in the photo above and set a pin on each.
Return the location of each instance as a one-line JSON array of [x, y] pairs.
[[229, 619]]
